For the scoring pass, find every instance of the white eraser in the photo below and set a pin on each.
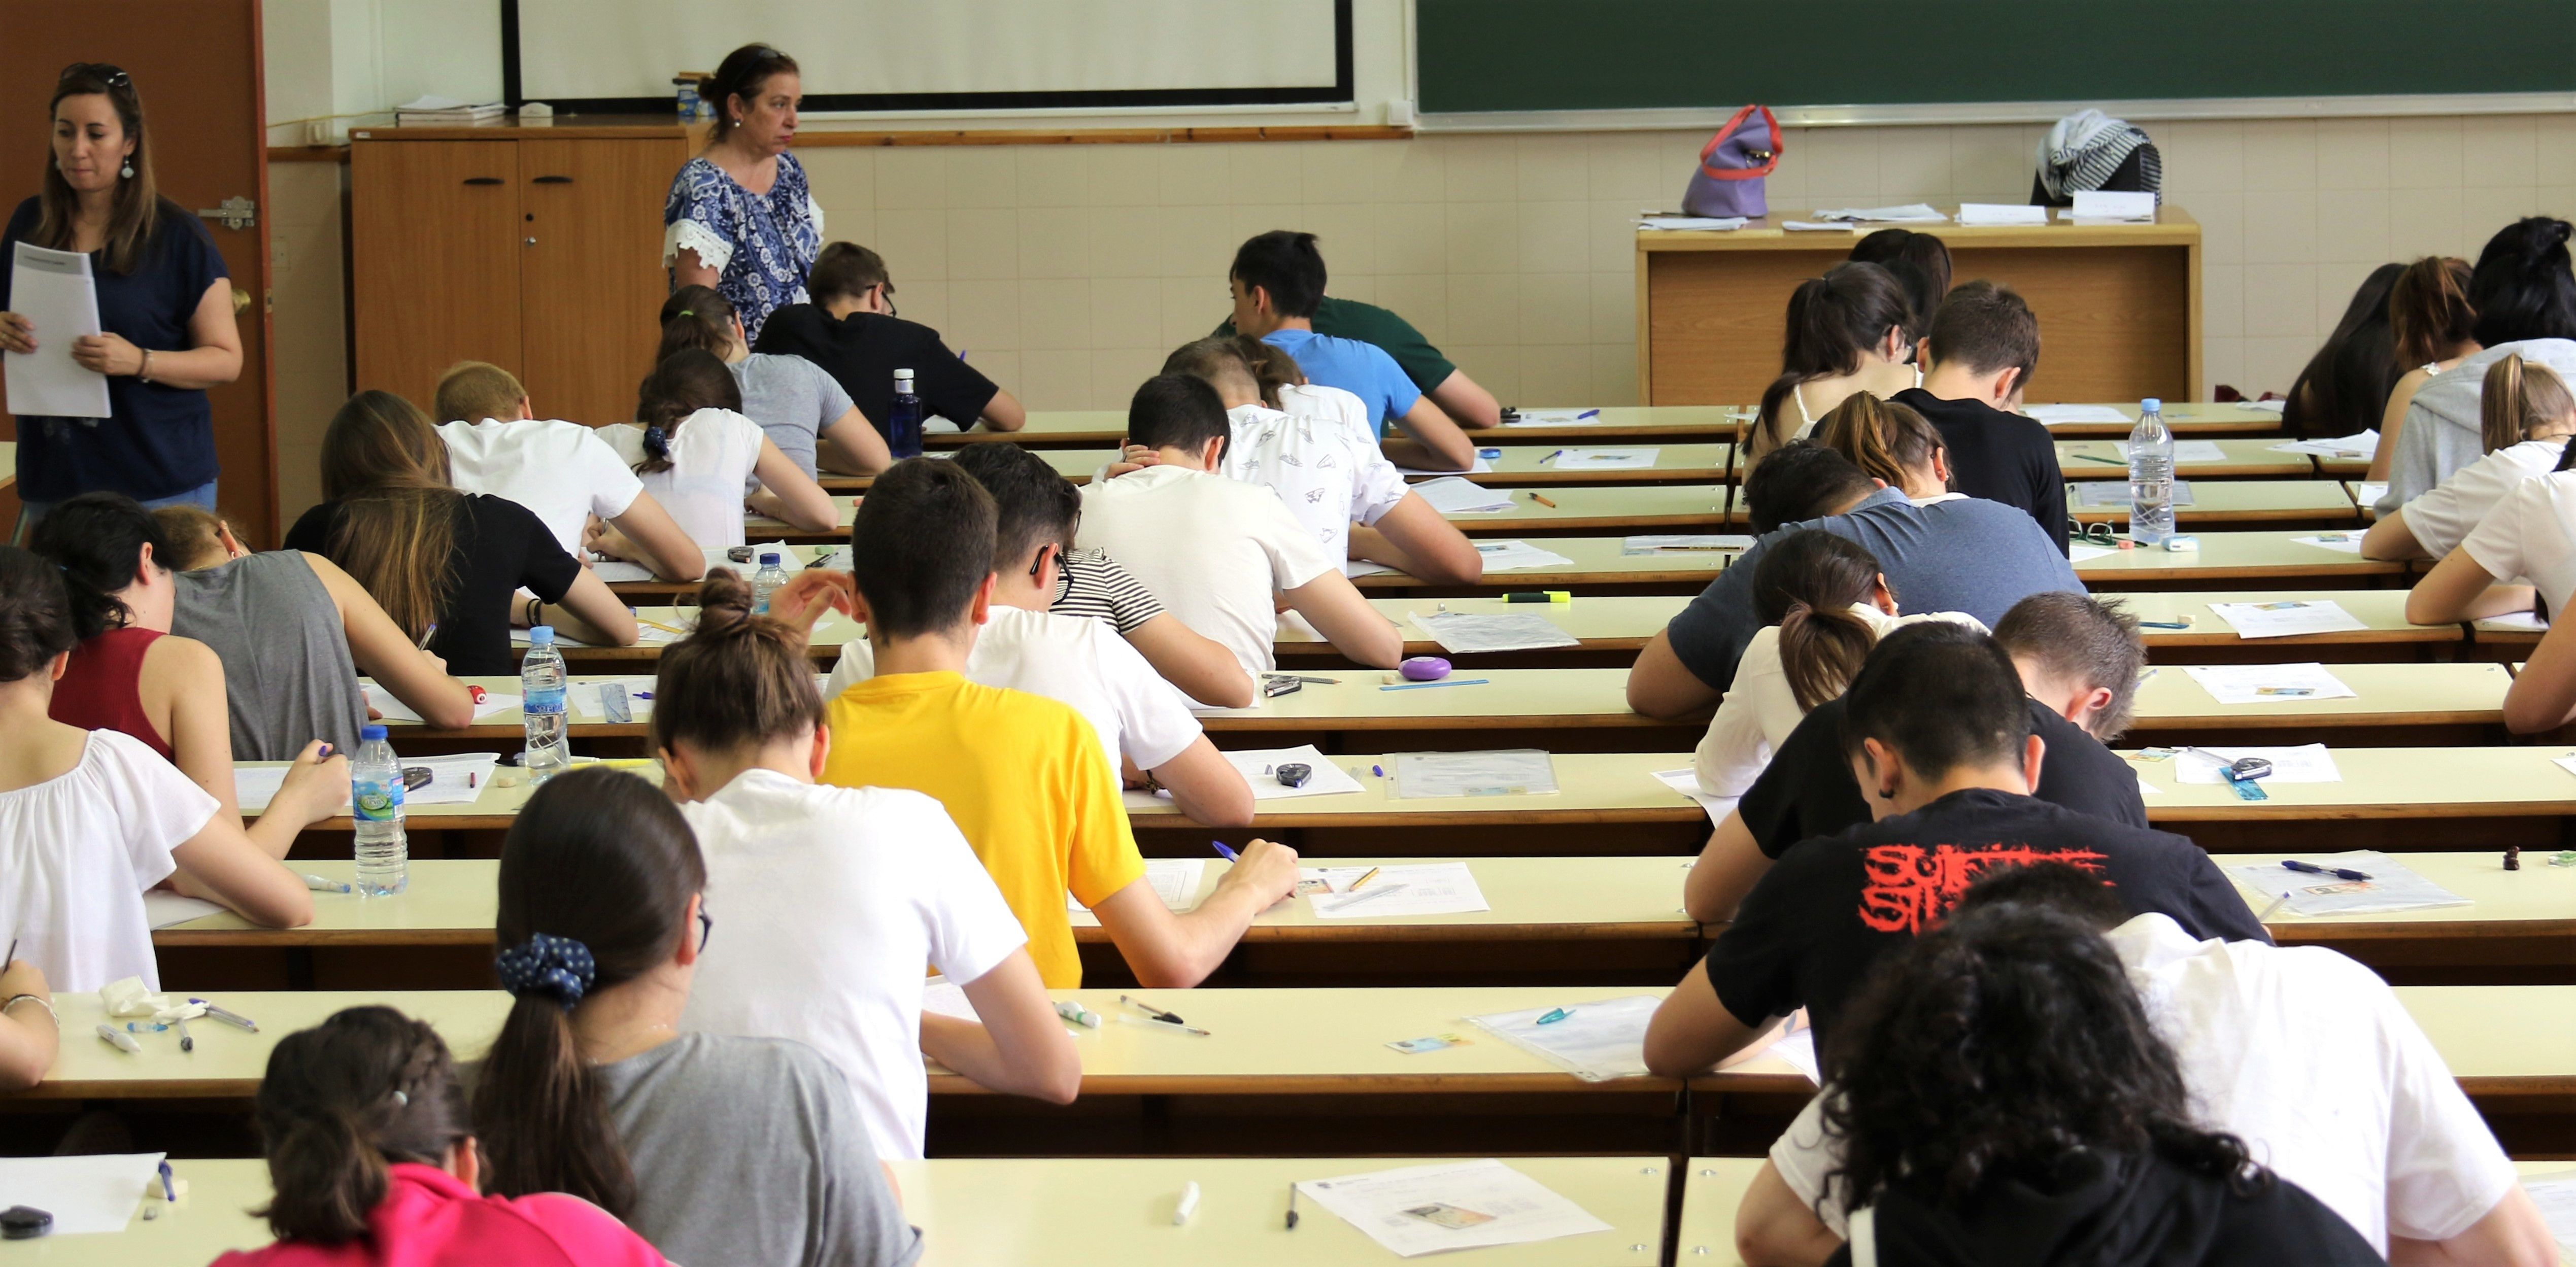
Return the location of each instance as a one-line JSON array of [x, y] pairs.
[[2182, 541], [1189, 1203]]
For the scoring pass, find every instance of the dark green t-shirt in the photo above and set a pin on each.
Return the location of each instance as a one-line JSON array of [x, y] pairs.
[[1368, 323]]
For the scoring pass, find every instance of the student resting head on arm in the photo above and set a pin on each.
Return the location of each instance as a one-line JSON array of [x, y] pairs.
[[794, 400], [2526, 415], [2345, 384], [1851, 330], [593, 1090], [695, 451], [372, 1160]]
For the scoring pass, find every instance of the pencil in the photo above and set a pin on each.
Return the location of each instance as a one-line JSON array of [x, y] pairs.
[[1372, 874], [1541, 499]]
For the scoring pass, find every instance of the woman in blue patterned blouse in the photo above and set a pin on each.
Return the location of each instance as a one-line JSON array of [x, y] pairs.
[[740, 217]]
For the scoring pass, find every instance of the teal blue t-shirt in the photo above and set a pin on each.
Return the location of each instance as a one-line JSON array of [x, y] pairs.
[[1362, 369]]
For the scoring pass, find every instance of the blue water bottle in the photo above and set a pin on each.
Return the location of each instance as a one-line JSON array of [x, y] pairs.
[[903, 425], [766, 581]]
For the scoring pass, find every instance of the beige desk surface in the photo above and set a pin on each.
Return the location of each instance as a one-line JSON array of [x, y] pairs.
[[2384, 695], [823, 647], [2244, 459], [1712, 1189], [2383, 611], [1595, 560], [2381, 783], [2539, 900], [1622, 422], [8, 463], [1008, 1212], [2238, 502], [1598, 509], [2508, 632], [2254, 554], [449, 902], [1613, 620], [1075, 464], [1528, 465], [2185, 418]]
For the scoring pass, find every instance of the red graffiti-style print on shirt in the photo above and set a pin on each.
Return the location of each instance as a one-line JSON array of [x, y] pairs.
[[1908, 888]]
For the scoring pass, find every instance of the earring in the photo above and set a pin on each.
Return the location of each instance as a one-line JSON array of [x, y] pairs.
[[128, 173]]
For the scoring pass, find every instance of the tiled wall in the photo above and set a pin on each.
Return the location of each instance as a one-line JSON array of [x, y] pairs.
[[1066, 272]]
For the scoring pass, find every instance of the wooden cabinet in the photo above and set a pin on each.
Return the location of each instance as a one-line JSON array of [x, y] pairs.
[[541, 254]]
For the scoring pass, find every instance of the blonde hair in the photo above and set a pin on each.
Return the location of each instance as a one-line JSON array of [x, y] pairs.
[[2519, 399], [471, 391], [386, 468]]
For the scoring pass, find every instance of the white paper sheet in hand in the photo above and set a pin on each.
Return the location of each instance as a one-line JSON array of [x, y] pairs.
[[1686, 782], [2100, 493], [1175, 880], [2287, 618], [1457, 495], [55, 291], [1453, 1205], [1463, 633], [1430, 888], [1606, 459], [2058, 415], [2307, 763], [1512, 556], [2268, 683], [86, 1195], [2340, 542], [2392, 886], [392, 709], [1597, 1041]]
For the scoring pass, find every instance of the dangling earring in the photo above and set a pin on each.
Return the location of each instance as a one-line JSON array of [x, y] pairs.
[[128, 173]]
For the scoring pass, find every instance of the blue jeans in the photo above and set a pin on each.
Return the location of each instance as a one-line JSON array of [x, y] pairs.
[[30, 512]]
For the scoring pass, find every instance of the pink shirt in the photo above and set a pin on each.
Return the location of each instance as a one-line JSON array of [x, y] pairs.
[[429, 1219]]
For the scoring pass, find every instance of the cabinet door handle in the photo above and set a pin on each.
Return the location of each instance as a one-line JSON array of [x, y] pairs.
[[482, 180], [554, 180]]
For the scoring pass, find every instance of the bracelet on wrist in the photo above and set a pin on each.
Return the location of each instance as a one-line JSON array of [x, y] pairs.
[[37, 999], [145, 373]]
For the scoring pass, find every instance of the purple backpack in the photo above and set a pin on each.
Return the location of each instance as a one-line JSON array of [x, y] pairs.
[[1731, 168]]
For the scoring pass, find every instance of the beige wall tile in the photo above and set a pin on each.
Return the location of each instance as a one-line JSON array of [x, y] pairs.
[[2499, 150], [1351, 173], [1051, 243], [1556, 376], [1840, 161], [1484, 237], [2201, 155], [1495, 368], [2558, 200], [2222, 223], [2280, 154], [1914, 165], [2336, 284], [1555, 310], [1614, 373], [925, 302], [1195, 175], [1121, 242], [1001, 367], [855, 224], [843, 181], [914, 176], [2485, 210], [2424, 222], [1423, 299], [1610, 236], [1479, 168], [2424, 153], [1556, 237], [1126, 312], [1197, 241], [1350, 236], [2222, 301], [1413, 237], [1991, 164], [2352, 154], [2281, 300], [1055, 315], [914, 242], [2280, 227], [982, 314], [1054, 380], [983, 244], [2554, 138], [986, 177], [1116, 372], [2223, 361], [1623, 169], [1552, 167], [1192, 309], [2352, 226], [2273, 364], [1481, 308], [1614, 307]]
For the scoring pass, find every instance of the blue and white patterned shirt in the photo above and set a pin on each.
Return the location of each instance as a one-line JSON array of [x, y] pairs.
[[760, 245]]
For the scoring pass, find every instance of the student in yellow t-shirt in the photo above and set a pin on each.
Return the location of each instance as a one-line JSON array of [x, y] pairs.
[[1023, 776]]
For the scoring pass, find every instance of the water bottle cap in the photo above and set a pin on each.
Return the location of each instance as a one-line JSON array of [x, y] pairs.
[[370, 734], [902, 377], [769, 558], [2151, 405], [542, 636]]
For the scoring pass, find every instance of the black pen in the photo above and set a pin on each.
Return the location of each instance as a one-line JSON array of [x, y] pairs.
[[1168, 1018], [2340, 873]]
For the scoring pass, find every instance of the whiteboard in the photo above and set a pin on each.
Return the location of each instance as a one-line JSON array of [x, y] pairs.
[[919, 52]]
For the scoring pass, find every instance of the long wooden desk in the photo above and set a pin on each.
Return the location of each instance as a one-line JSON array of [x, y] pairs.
[[1593, 509], [2243, 503], [2120, 303], [2240, 459], [2482, 799], [1078, 428]]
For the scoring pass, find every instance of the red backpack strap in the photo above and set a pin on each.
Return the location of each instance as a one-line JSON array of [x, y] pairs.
[[1742, 173]]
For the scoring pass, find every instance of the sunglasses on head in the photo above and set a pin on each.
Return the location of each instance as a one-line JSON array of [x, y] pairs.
[[112, 76]]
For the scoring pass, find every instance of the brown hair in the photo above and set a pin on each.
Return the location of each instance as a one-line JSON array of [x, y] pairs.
[[342, 1100], [845, 270], [604, 859], [386, 468], [1920, 260], [2428, 310], [134, 215], [1834, 320], [1217, 360], [685, 382], [1885, 440], [1987, 327], [2081, 639], [695, 317], [2519, 399], [739, 679], [922, 543], [1271, 367], [35, 614], [742, 74], [1807, 584], [471, 391], [195, 535]]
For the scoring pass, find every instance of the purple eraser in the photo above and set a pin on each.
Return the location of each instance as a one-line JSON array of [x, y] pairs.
[[1424, 668]]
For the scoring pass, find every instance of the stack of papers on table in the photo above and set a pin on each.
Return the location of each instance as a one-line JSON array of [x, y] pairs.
[[1509, 556], [2360, 444], [2186, 451], [1595, 1041], [1910, 213], [392, 709], [1690, 222], [1431, 888], [2392, 885], [1501, 772], [1819, 226], [437, 111], [2307, 763], [1555, 418], [1676, 543], [255, 786], [1606, 459], [2058, 415], [2001, 213], [2287, 618], [2268, 683], [1456, 495], [1175, 880], [2344, 542], [2116, 493], [1450, 1205], [1460, 633]]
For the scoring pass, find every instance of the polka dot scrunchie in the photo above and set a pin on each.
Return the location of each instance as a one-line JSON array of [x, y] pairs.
[[546, 964]]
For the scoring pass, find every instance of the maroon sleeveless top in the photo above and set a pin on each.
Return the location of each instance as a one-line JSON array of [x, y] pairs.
[[102, 687]]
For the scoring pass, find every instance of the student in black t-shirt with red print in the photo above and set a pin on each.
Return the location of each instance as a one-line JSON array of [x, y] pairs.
[[1937, 731]]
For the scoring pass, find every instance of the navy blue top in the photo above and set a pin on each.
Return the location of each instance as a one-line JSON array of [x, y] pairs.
[[157, 441]]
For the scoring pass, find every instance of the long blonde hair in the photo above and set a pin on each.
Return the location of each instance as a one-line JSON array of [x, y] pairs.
[[136, 211], [2518, 400], [1884, 439], [385, 466]]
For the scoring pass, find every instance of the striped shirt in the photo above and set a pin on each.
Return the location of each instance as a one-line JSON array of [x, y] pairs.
[[1094, 586]]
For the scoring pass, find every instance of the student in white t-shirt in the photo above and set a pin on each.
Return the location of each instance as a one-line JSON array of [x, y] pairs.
[[835, 898], [1215, 550], [2304, 1054], [2527, 415], [2520, 557], [561, 471], [89, 819], [1324, 463], [694, 451], [1145, 725]]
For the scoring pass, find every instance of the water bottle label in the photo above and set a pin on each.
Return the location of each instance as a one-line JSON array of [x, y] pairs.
[[543, 700], [376, 802]]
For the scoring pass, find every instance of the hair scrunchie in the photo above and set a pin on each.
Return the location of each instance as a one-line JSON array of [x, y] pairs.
[[688, 312], [548, 964], [657, 441]]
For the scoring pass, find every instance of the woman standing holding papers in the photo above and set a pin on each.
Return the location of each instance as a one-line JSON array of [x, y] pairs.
[[164, 306], [740, 217]]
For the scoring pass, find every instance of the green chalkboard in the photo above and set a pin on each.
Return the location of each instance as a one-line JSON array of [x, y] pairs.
[[1482, 55]]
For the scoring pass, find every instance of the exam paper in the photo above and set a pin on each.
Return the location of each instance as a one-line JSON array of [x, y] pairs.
[[2268, 683], [1463, 633], [2111, 204], [1686, 782], [1721, 223], [1430, 888], [2078, 552], [2514, 621], [86, 1195], [1456, 495], [55, 291], [1481, 466], [2368, 492], [2555, 1194], [2392, 886], [392, 709], [1606, 459], [1798, 1047], [2307, 763], [2360, 444], [947, 998], [1356, 568], [1453, 1205], [254, 786], [2054, 415], [1555, 418], [2098, 493], [1499, 772], [2341, 542], [583, 697], [1818, 226], [1596, 1041], [2001, 213], [2186, 451], [1175, 880], [1910, 213], [2287, 618], [1512, 556], [1674, 543]]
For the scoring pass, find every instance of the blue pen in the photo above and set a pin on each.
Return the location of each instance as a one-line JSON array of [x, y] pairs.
[[167, 1194], [1378, 770], [1228, 854], [1551, 457], [1455, 681], [1588, 413]]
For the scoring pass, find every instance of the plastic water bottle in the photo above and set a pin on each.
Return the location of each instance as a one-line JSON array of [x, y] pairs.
[[766, 582], [903, 426], [2151, 482], [376, 803], [541, 702]]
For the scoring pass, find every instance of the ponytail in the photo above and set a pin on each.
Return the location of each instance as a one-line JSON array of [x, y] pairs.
[[680, 385], [341, 1101], [596, 877], [1271, 367], [97, 539], [1885, 440], [2429, 316], [1834, 321], [1807, 583], [2519, 400], [696, 317]]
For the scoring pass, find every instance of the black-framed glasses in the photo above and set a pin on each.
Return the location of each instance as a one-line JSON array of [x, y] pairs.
[[1063, 577], [706, 925], [885, 290], [2098, 535], [112, 76]]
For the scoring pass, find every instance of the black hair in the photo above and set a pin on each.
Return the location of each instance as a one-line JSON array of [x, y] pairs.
[[743, 73], [922, 544], [1834, 321], [1942, 696], [1807, 583], [1994, 1047], [1178, 411], [35, 614], [1287, 265], [2345, 386], [1920, 260], [97, 540], [2058, 886], [2522, 286], [845, 270], [1799, 481], [683, 383], [1033, 505], [342, 1100]]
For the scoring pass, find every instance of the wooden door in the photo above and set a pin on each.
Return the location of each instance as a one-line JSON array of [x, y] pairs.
[[590, 271], [197, 67], [434, 247]]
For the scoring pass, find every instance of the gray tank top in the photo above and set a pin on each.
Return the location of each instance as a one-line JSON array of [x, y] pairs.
[[287, 674]]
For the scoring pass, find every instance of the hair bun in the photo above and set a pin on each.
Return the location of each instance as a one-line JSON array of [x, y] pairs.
[[724, 601]]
